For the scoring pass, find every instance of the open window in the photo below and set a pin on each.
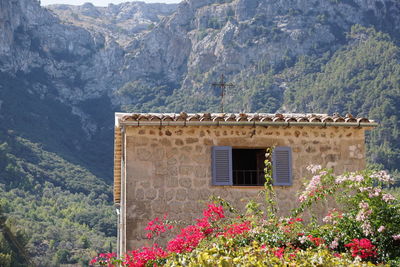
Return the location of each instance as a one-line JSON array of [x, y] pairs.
[[245, 167], [248, 167]]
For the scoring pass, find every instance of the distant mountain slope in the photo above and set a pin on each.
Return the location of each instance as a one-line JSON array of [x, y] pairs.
[[363, 77], [54, 186]]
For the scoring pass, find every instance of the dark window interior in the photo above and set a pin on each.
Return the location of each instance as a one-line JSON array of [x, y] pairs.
[[248, 166]]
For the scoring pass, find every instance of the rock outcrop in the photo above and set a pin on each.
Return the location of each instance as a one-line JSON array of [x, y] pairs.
[[91, 52]]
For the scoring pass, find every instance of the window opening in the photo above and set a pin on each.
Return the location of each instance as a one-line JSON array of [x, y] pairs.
[[248, 167]]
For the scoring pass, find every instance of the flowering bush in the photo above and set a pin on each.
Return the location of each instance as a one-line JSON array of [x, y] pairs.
[[363, 230], [362, 248], [367, 212]]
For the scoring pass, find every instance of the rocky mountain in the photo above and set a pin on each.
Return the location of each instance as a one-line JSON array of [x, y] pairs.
[[123, 23], [65, 69], [90, 52]]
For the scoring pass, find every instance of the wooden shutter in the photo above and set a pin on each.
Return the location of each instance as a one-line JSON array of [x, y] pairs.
[[222, 165], [282, 165]]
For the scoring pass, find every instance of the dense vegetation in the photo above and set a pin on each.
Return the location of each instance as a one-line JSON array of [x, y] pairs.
[[12, 245], [61, 220], [57, 200], [362, 78], [362, 231]]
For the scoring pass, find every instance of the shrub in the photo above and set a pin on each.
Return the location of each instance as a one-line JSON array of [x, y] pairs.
[[364, 231]]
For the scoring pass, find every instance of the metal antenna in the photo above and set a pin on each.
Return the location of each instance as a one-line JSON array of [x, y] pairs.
[[222, 84]]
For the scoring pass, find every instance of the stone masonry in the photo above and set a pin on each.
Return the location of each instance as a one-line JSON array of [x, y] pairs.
[[168, 168]]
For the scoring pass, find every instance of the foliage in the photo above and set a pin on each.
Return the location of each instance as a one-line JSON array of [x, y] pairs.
[[59, 226], [360, 78], [367, 211], [12, 244], [363, 232], [53, 180], [143, 96]]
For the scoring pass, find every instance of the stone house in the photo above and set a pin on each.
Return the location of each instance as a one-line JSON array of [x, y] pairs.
[[170, 163]]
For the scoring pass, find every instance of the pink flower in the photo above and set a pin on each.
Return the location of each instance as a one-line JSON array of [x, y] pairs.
[[312, 188], [364, 213], [340, 179], [388, 197], [375, 193], [381, 229], [303, 239], [357, 178], [104, 259], [363, 205], [396, 237]]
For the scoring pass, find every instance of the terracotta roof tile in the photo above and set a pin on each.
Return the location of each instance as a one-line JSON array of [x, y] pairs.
[[291, 118]]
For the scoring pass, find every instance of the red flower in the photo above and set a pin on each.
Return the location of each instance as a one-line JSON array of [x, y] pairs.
[[140, 257], [237, 229], [279, 252], [214, 213], [362, 248], [187, 240], [104, 259], [316, 240], [156, 227]]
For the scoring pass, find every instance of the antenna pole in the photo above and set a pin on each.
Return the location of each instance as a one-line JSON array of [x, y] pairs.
[[222, 84]]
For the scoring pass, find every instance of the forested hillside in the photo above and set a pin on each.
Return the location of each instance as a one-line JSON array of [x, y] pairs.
[[363, 78], [54, 196], [65, 70]]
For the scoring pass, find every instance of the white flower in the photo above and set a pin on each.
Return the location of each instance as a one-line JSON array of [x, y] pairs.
[[334, 244], [327, 218], [303, 239], [314, 168], [363, 205], [356, 178], [363, 189], [364, 212], [381, 229], [340, 179], [367, 229], [383, 176]]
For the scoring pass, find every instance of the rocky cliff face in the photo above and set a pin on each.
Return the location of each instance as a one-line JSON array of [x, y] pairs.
[[123, 22], [147, 57], [91, 51], [202, 39]]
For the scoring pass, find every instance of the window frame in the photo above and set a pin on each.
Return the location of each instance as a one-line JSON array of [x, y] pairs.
[[281, 159]]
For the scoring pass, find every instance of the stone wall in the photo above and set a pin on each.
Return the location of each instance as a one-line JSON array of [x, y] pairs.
[[168, 169]]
